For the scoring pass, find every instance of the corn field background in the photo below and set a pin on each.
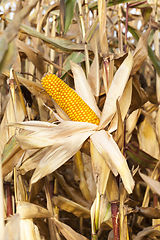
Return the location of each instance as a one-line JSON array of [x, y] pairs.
[[51, 186]]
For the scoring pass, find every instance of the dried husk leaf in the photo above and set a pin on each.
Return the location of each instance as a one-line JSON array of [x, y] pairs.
[[59, 153], [30, 210], [109, 150], [28, 230], [116, 90], [83, 88], [49, 134], [100, 169], [67, 231], [70, 206], [12, 228], [32, 161], [124, 103], [148, 139]]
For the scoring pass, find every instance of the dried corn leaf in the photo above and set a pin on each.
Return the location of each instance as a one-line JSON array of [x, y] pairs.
[[83, 88], [147, 232], [12, 229], [80, 170], [30, 210], [149, 212], [36, 59], [112, 190], [89, 174], [131, 123], [11, 155], [148, 139], [9, 56], [102, 28], [75, 196], [28, 230], [141, 52], [124, 103], [12, 113], [100, 169], [153, 184], [67, 231], [140, 157], [59, 154], [58, 44], [12, 30], [116, 90], [109, 150], [93, 76], [70, 206]]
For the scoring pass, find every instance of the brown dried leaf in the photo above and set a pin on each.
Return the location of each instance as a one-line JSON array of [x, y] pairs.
[[71, 191], [67, 231], [70, 206], [141, 51], [153, 184], [149, 212], [150, 232], [11, 155], [36, 59], [30, 210], [112, 190]]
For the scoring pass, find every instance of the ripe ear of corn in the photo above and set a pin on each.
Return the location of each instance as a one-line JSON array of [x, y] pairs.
[[68, 100]]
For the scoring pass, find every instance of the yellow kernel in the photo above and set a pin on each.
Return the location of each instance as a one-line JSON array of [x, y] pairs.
[[68, 100]]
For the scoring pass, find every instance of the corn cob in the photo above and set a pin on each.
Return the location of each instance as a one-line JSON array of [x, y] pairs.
[[68, 100]]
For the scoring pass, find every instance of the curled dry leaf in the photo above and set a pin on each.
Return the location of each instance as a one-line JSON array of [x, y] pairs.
[[149, 212], [147, 232]]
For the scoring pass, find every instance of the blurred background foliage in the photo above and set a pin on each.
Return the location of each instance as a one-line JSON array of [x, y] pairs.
[[43, 36]]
